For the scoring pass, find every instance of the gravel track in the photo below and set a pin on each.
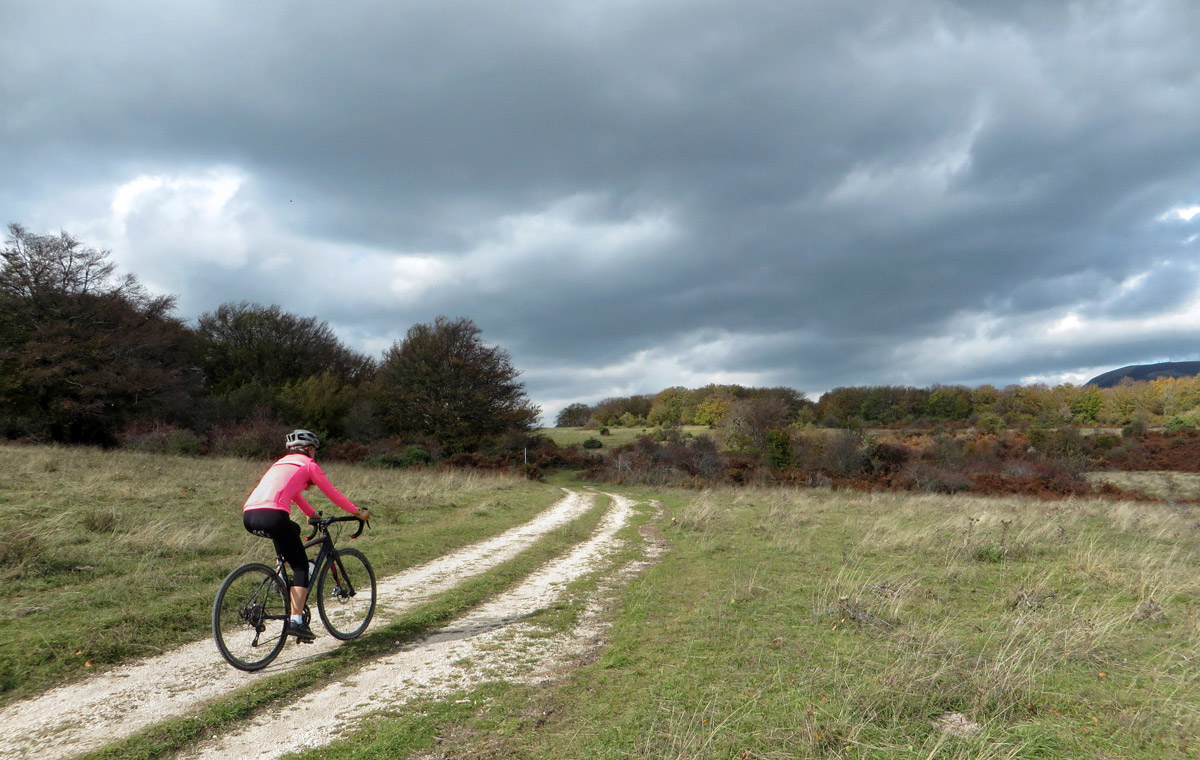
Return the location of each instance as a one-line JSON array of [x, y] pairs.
[[490, 643]]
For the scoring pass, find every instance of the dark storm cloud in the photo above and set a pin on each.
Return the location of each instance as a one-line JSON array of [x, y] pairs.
[[816, 193]]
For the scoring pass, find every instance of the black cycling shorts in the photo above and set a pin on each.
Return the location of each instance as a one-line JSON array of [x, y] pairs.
[[277, 526]]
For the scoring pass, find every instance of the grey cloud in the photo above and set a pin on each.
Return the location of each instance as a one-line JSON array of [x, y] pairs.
[[844, 178]]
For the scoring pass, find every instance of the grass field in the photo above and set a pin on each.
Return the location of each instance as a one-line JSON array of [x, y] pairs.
[[818, 624], [781, 623], [617, 436]]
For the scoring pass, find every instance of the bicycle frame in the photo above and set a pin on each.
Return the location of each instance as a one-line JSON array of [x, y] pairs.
[[326, 554]]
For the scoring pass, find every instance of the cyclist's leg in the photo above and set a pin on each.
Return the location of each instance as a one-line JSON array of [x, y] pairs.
[[276, 525], [292, 548]]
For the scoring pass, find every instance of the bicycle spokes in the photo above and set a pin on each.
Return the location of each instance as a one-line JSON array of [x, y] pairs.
[[249, 617], [346, 594]]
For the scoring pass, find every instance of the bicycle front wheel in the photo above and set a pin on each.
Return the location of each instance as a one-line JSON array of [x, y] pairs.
[[346, 593], [249, 617]]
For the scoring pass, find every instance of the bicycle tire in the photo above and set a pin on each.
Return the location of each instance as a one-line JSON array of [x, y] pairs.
[[249, 618], [346, 608]]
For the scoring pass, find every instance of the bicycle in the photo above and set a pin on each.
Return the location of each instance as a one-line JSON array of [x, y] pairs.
[[252, 607]]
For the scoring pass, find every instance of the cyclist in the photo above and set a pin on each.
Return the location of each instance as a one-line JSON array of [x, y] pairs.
[[268, 509]]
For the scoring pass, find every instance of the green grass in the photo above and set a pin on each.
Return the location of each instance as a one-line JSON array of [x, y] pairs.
[[617, 436], [116, 555], [818, 624]]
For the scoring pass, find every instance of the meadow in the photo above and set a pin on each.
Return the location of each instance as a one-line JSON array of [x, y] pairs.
[[815, 623], [616, 436], [781, 623]]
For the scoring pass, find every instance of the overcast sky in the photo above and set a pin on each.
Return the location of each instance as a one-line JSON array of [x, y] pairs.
[[628, 196]]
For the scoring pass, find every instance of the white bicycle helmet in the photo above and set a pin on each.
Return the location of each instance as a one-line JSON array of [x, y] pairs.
[[300, 439]]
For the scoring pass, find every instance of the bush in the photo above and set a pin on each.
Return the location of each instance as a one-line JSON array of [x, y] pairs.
[[933, 478], [844, 456], [1175, 424], [347, 451], [944, 450], [742, 470], [410, 456], [990, 423], [887, 457], [160, 438], [593, 443], [1105, 442], [260, 438], [779, 449], [1065, 443], [1135, 429]]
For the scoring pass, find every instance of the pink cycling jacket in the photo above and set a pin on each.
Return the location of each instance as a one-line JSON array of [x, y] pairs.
[[286, 479]]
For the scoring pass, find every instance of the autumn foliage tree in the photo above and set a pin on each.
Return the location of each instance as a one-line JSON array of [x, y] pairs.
[[442, 381], [573, 415]]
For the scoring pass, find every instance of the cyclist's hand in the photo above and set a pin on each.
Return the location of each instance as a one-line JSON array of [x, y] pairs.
[[314, 519], [363, 514]]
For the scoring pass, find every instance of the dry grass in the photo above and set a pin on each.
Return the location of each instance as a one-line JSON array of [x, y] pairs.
[[816, 623]]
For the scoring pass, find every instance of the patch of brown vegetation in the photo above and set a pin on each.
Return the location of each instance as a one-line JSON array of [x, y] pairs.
[[1174, 452]]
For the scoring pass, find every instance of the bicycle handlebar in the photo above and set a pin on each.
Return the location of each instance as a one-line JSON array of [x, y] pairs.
[[320, 522]]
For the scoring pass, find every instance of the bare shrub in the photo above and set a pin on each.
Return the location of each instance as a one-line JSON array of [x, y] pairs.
[[886, 457], [844, 455], [932, 478], [260, 438], [159, 437]]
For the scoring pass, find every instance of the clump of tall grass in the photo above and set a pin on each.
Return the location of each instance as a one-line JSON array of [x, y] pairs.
[[100, 520], [701, 513]]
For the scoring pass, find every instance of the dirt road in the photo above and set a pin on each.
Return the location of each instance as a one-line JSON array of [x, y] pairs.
[[82, 716]]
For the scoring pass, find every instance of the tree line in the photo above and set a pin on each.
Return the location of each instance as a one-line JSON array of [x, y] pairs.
[[88, 356], [1173, 402]]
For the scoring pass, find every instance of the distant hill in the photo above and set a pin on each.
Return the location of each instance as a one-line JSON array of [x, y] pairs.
[[1146, 372]]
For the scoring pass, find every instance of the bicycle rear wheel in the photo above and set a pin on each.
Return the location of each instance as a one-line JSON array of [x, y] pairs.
[[346, 594], [249, 617]]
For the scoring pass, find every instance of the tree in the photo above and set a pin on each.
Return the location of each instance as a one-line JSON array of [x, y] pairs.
[[42, 267], [713, 410], [443, 381], [319, 402], [667, 407], [749, 420], [82, 352], [611, 411], [244, 343], [573, 415]]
